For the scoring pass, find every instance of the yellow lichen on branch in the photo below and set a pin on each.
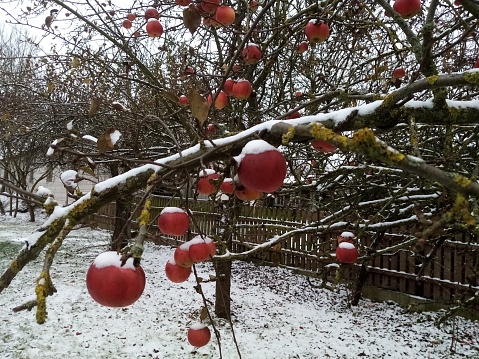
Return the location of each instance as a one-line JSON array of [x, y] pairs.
[[42, 290], [461, 212], [364, 141], [145, 216]]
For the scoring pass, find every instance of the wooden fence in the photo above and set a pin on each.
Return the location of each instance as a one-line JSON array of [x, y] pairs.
[[452, 274]]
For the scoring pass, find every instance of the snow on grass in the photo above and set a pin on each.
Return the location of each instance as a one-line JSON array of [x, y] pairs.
[[275, 314]]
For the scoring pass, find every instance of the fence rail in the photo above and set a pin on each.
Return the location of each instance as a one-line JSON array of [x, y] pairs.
[[452, 274]]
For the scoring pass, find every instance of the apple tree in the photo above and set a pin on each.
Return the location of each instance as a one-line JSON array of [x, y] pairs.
[[373, 106]]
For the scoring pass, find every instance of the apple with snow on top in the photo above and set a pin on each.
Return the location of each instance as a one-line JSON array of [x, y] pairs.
[[154, 28], [261, 167], [346, 253], [323, 146], [242, 89], [175, 273], [182, 255], [173, 221], [113, 285], [221, 100], [251, 54], [399, 73], [201, 248], [152, 13], [198, 335], [316, 31], [346, 237], [302, 47], [224, 16], [407, 8], [228, 86], [206, 179], [227, 186], [183, 101]]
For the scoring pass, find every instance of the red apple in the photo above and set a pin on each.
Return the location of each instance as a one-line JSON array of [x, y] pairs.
[[210, 6], [295, 114], [183, 2], [346, 253], [131, 17], [251, 54], [346, 237], [182, 255], [199, 335], [183, 101], [173, 221], [248, 194], [317, 31], [227, 186], [476, 64], [206, 179], [298, 94], [237, 67], [228, 86], [200, 248], [242, 89], [152, 13], [189, 70], [302, 47], [253, 5], [154, 28], [261, 166], [407, 8], [221, 100], [399, 73], [136, 34], [113, 285], [225, 16], [175, 273], [323, 146], [211, 128], [127, 24], [211, 245]]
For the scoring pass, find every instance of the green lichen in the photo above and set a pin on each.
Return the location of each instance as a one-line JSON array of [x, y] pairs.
[[432, 79], [472, 77], [288, 136]]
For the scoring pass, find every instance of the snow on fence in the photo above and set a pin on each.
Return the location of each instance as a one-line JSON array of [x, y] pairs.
[[452, 274]]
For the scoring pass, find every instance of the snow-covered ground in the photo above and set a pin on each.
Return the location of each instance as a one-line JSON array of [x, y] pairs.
[[275, 314]]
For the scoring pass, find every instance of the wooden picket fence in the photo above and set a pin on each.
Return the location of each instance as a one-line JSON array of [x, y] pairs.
[[453, 274]]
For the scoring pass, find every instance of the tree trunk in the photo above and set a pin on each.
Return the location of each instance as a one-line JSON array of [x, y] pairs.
[[223, 289], [223, 268], [121, 231]]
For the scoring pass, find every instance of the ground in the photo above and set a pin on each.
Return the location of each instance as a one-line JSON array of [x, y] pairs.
[[276, 314]]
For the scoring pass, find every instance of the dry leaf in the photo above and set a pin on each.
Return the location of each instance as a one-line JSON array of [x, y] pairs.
[[198, 105], [204, 313], [191, 18], [94, 106], [170, 96]]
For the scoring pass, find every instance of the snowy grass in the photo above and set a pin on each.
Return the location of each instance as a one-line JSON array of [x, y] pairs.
[[275, 314]]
